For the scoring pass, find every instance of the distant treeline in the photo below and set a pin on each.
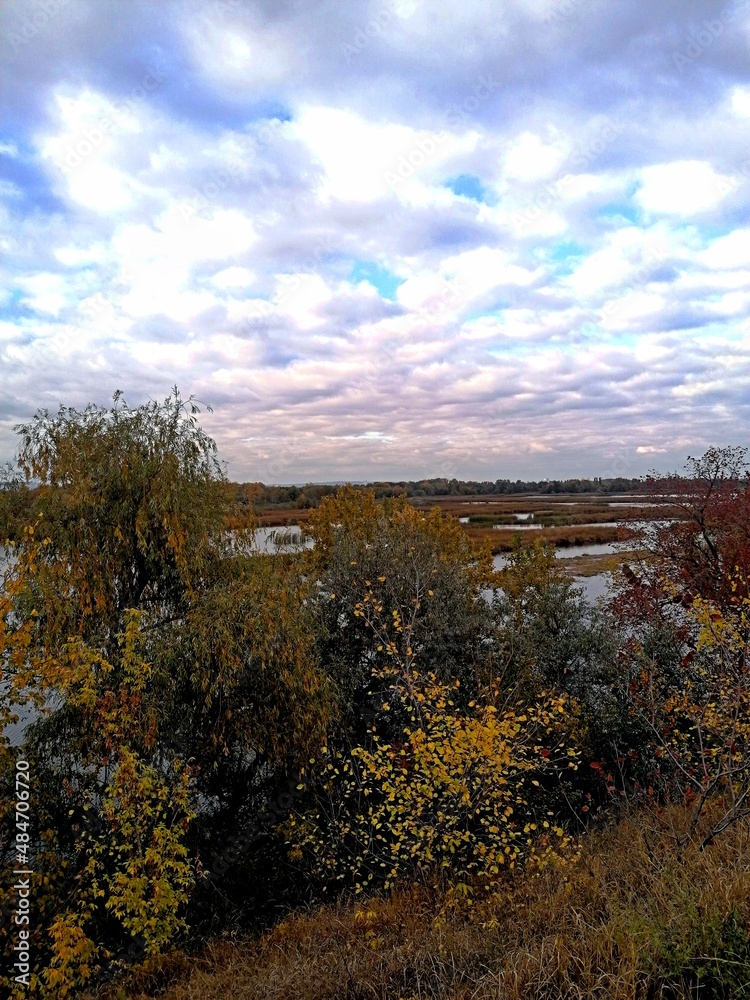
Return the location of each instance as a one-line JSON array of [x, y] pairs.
[[311, 494], [18, 501]]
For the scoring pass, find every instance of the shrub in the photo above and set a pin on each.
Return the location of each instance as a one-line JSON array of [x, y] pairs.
[[457, 794]]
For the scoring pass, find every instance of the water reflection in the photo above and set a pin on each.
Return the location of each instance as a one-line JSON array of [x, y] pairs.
[[598, 549], [286, 539], [593, 587]]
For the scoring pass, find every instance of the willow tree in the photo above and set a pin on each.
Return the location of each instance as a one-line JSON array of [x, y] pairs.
[[165, 662]]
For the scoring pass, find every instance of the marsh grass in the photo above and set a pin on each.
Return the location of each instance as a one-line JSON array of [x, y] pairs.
[[630, 919], [501, 540]]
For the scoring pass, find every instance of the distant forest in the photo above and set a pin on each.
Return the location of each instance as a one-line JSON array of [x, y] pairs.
[[311, 494]]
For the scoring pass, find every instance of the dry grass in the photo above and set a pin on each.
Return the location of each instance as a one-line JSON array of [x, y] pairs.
[[500, 540], [630, 919], [572, 510], [595, 565]]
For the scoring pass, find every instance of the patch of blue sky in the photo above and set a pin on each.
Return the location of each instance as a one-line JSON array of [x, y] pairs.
[[382, 280], [246, 294], [620, 210], [10, 296], [496, 312], [707, 232], [524, 348], [12, 306], [632, 190], [452, 235], [271, 110], [620, 338], [565, 256], [593, 329], [565, 250], [27, 186], [193, 99], [469, 186]]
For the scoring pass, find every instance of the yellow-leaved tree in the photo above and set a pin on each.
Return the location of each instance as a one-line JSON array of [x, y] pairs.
[[458, 796], [437, 781]]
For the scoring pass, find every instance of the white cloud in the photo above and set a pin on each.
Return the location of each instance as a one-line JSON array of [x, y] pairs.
[[685, 187], [234, 277], [740, 101], [730, 251], [250, 57], [530, 158], [364, 160], [301, 296], [45, 293]]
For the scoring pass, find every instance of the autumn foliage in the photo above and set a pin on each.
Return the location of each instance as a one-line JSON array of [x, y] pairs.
[[217, 732]]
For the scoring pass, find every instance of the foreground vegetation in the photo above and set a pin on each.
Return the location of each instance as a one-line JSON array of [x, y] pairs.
[[627, 918], [224, 737]]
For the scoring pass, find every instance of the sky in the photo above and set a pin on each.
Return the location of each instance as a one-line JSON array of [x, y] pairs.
[[384, 240]]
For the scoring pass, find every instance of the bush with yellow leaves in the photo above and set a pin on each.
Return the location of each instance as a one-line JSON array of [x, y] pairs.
[[460, 795]]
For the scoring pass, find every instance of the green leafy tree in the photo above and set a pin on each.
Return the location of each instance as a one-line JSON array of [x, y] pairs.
[[548, 634]]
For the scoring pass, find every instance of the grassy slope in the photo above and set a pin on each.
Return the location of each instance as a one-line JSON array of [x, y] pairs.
[[628, 919]]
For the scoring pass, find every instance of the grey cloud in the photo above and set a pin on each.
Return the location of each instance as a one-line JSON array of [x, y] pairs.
[[602, 75]]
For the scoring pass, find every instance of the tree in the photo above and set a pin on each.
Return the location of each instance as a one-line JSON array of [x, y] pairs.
[[696, 726], [548, 635], [16, 502], [682, 608], [379, 564], [439, 791], [706, 540], [167, 661]]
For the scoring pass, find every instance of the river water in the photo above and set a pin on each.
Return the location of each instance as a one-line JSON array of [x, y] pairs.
[[594, 587]]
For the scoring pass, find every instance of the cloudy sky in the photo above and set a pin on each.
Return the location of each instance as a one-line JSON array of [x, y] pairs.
[[384, 239]]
